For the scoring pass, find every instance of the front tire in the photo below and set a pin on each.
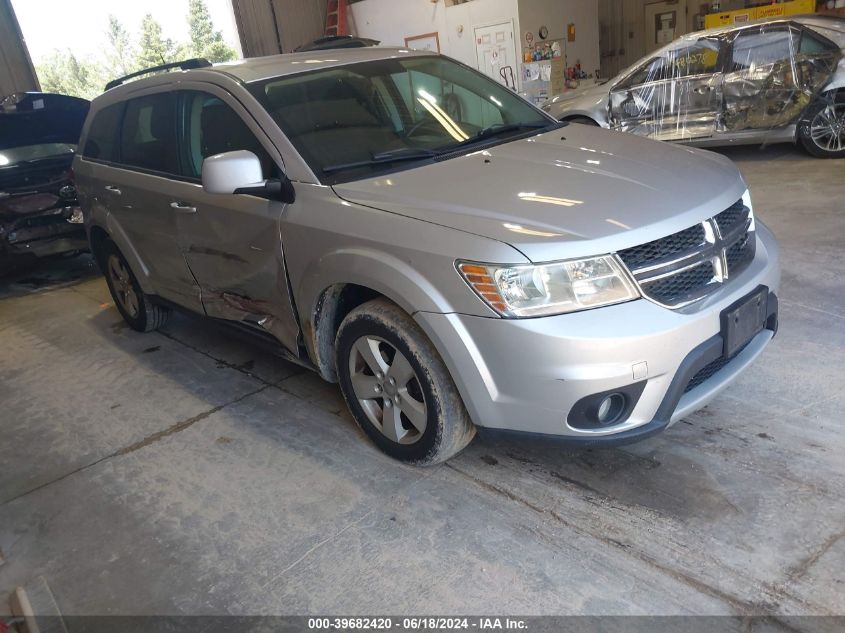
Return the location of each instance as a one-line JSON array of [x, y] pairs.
[[136, 308], [822, 132], [398, 388]]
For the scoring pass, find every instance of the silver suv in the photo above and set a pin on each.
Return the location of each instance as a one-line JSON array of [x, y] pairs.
[[451, 255]]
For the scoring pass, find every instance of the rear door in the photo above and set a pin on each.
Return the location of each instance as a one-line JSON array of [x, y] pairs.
[[232, 242], [136, 170], [773, 76], [674, 96]]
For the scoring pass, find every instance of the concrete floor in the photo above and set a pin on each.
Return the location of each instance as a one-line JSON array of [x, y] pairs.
[[186, 472]]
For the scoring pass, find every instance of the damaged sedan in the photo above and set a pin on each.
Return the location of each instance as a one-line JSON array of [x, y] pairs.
[[39, 212], [768, 82]]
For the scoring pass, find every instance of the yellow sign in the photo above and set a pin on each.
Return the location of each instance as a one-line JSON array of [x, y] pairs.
[[796, 7]]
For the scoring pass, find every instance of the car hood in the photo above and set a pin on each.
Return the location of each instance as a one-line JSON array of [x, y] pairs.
[[575, 191], [600, 89]]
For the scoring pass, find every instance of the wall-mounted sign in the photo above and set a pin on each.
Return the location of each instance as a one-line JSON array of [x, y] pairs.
[[425, 42]]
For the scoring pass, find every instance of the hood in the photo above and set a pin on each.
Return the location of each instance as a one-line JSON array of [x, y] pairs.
[[37, 118], [576, 191]]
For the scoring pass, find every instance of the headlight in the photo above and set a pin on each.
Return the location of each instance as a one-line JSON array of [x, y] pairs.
[[556, 288]]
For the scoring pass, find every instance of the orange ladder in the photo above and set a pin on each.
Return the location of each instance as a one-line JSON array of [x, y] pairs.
[[336, 23]]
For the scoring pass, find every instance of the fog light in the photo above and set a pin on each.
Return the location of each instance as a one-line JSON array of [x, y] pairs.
[[610, 408]]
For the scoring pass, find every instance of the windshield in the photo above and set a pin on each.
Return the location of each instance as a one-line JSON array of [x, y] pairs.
[[369, 118], [27, 153]]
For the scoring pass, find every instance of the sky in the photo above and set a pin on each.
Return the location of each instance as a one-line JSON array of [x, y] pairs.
[[80, 25]]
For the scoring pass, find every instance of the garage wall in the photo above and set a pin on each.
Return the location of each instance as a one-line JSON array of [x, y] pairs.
[[391, 21], [556, 15], [16, 72], [622, 29], [269, 27]]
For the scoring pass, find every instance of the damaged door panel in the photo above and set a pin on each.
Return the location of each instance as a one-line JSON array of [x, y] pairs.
[[675, 96], [232, 242], [775, 73]]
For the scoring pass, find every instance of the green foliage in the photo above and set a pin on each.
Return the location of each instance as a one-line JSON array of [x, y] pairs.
[[153, 49], [63, 72], [121, 57], [205, 41]]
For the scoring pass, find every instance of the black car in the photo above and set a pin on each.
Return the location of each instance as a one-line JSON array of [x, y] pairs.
[[39, 212]]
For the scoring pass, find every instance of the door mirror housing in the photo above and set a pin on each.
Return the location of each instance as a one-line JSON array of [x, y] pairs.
[[240, 172]]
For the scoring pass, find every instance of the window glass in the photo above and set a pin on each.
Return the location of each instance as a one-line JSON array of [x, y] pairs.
[[811, 45], [148, 137], [212, 127], [756, 48], [102, 135], [339, 118], [681, 59]]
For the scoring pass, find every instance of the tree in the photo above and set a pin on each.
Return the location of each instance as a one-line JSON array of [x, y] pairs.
[[205, 41], [120, 56], [154, 49], [62, 72]]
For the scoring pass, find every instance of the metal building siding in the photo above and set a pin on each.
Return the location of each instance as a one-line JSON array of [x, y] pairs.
[[16, 71], [269, 27]]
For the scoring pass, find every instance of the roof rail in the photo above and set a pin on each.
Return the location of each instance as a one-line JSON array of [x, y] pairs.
[[187, 64]]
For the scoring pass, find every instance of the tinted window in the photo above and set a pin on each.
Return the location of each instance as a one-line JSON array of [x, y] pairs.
[[102, 135], [756, 48], [811, 45], [212, 127], [148, 138]]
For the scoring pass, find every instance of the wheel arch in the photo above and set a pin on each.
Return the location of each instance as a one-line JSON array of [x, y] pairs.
[[348, 279]]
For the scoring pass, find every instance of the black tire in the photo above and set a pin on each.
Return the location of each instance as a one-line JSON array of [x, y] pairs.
[[448, 429], [583, 120], [828, 109], [147, 315]]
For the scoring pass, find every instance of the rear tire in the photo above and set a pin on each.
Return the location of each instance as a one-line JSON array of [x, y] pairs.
[[822, 132], [398, 388], [138, 309]]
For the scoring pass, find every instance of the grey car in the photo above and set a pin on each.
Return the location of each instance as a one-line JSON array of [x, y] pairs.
[[452, 256], [769, 82]]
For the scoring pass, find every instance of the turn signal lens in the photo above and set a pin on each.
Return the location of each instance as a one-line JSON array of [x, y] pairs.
[[547, 289]]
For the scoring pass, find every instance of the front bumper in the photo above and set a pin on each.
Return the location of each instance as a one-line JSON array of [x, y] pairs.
[[526, 375]]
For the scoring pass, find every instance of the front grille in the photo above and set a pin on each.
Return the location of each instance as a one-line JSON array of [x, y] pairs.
[[732, 216], [687, 266], [663, 248], [681, 284]]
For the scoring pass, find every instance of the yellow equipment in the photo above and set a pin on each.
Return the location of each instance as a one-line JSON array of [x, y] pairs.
[[796, 7]]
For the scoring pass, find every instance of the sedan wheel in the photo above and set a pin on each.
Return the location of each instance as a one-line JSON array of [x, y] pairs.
[[822, 132], [827, 129]]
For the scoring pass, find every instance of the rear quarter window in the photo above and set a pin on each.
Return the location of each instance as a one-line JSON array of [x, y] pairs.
[[101, 143]]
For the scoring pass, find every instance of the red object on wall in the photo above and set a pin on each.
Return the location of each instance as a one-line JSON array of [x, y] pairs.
[[336, 22]]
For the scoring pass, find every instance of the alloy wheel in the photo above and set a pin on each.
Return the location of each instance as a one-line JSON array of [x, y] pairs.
[[827, 129], [122, 284], [388, 389]]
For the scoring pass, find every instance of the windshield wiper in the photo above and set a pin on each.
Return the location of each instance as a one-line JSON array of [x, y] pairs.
[[396, 155], [502, 128]]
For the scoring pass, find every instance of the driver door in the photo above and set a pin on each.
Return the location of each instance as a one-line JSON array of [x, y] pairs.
[[675, 96], [232, 242]]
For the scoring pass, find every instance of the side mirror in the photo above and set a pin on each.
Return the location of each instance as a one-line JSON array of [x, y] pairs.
[[240, 172]]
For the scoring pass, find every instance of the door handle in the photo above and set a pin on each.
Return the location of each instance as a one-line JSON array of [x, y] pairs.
[[181, 207], [114, 190], [701, 91]]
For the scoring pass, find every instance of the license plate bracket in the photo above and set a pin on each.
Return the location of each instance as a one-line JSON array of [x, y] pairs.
[[744, 320]]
